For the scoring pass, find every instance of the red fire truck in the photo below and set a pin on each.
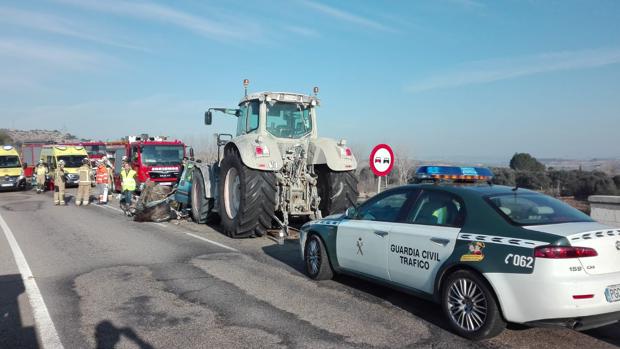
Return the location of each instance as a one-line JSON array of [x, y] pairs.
[[31, 152], [153, 158]]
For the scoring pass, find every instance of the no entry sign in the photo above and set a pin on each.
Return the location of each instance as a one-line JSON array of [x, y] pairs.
[[381, 160]]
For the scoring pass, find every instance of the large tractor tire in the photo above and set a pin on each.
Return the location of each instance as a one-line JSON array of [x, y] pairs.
[[247, 197], [200, 204], [337, 189]]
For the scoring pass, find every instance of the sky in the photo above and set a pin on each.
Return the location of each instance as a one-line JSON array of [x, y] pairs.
[[451, 79]]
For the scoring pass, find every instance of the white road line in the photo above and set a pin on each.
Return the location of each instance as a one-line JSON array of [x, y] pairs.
[[47, 332], [110, 207], [190, 234], [212, 242]]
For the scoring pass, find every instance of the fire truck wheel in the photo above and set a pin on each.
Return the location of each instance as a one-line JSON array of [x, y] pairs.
[[337, 189], [199, 201], [247, 197]]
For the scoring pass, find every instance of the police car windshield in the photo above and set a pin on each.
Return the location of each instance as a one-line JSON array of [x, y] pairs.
[[153, 155], [9, 161], [535, 209], [72, 161], [288, 120]]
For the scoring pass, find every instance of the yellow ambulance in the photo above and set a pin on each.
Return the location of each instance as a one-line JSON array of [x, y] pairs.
[[11, 170], [72, 155]]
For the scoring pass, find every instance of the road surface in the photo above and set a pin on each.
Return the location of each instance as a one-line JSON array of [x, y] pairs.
[[105, 281]]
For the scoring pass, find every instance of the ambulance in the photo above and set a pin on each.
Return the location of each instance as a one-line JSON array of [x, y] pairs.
[[11, 170], [72, 155]]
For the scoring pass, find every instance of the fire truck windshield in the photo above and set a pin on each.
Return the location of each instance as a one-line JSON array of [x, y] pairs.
[[162, 154]]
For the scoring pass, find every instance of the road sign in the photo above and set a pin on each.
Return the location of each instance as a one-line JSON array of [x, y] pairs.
[[381, 160]]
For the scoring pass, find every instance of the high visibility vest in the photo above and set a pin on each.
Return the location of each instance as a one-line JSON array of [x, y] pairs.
[[128, 180], [84, 172], [103, 175]]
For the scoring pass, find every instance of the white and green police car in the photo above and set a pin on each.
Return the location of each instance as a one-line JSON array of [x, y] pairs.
[[488, 254]]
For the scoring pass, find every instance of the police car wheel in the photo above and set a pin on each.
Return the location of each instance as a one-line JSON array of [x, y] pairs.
[[316, 259], [470, 306]]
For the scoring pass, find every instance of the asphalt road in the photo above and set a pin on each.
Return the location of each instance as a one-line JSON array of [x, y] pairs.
[[109, 282]]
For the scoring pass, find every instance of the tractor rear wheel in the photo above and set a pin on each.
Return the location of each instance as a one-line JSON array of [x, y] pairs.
[[199, 201], [337, 189], [247, 197]]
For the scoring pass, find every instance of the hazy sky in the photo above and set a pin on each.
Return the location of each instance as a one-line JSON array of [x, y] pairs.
[[444, 78]]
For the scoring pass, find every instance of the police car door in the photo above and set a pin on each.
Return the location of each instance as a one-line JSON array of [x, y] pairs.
[[425, 239], [362, 243]]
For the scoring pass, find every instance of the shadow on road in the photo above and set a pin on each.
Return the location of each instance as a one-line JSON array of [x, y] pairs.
[[13, 334], [609, 334], [107, 336]]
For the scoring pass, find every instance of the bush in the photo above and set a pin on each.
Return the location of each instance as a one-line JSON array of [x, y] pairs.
[[525, 162]]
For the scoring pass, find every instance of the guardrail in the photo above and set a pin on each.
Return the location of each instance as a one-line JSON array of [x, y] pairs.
[[605, 209]]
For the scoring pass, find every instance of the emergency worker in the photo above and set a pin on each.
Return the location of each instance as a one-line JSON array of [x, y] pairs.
[[128, 184], [102, 179], [59, 184], [41, 172], [83, 193]]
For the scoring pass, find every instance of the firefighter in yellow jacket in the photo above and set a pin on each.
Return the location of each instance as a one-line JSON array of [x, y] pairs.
[[83, 193], [59, 184], [41, 172]]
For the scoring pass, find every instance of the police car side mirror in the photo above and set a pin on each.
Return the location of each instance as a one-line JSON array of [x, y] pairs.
[[350, 212], [208, 117]]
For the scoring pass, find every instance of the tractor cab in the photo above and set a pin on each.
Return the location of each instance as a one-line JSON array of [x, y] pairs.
[[281, 115]]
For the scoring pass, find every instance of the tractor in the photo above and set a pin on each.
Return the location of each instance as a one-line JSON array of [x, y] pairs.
[[274, 168]]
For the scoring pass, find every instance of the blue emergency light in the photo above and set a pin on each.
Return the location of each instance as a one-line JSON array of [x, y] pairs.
[[454, 173]]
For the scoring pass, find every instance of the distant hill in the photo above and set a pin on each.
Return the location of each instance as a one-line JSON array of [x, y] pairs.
[[610, 166], [18, 137]]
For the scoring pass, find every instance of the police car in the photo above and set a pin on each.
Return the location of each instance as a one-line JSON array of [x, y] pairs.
[[488, 254]]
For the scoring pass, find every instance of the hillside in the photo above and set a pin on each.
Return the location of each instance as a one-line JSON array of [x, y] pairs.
[[18, 137]]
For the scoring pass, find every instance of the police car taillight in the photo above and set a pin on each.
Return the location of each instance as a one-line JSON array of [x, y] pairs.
[[563, 252]]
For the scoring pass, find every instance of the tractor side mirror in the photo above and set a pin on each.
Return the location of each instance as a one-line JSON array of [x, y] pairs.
[[208, 117]]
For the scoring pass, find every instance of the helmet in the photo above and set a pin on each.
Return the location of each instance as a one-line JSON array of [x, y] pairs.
[[125, 158], [40, 162], [85, 161], [61, 162]]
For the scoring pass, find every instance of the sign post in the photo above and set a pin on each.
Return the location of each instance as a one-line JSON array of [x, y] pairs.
[[381, 162]]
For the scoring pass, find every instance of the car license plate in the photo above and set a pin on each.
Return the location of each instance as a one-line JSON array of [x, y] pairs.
[[612, 293], [7, 184]]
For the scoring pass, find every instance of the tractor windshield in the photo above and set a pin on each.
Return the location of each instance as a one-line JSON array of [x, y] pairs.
[[288, 120]]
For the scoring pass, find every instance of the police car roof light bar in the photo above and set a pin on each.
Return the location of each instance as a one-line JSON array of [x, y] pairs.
[[453, 173]]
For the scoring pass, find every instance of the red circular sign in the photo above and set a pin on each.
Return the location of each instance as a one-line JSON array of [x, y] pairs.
[[381, 160]]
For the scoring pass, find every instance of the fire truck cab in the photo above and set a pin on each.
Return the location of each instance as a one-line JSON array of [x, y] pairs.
[[153, 158]]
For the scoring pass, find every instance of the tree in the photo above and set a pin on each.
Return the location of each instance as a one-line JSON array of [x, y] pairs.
[[594, 183], [503, 176], [5, 138], [403, 165], [616, 180], [532, 180], [525, 162]]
